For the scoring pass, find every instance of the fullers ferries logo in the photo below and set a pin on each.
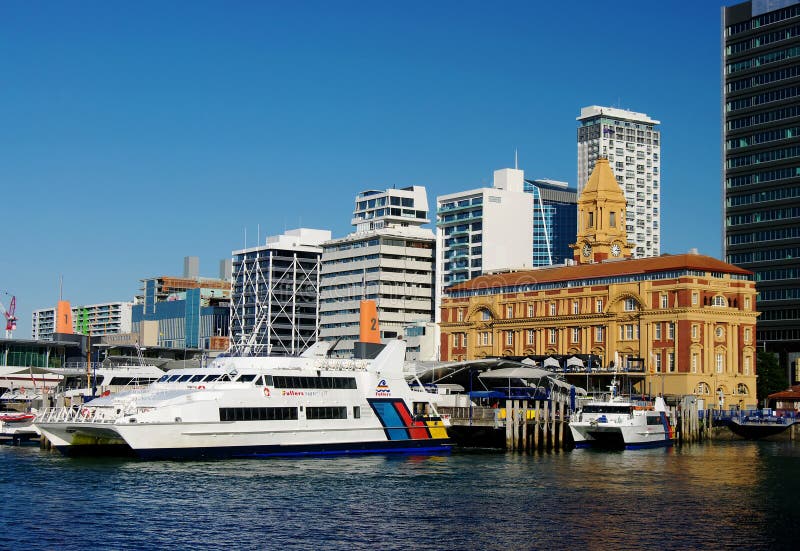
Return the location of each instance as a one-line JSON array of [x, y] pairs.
[[382, 389]]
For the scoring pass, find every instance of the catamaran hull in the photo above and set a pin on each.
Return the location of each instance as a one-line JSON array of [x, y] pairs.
[[207, 441], [587, 435]]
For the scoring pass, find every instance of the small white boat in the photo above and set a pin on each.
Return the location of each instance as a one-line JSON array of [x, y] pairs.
[[619, 422], [17, 426]]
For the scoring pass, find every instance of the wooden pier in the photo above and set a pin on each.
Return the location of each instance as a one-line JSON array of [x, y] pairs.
[[521, 425], [543, 425]]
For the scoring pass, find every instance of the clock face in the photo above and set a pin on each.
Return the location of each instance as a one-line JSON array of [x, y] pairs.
[[615, 249], [587, 250]]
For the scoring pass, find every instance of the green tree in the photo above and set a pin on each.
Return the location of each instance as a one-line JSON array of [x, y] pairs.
[[770, 375]]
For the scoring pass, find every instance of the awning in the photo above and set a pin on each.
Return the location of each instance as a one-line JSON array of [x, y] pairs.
[[551, 361], [486, 394], [575, 361], [515, 373]]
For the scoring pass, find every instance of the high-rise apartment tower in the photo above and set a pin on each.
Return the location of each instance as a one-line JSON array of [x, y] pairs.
[[761, 181], [632, 144]]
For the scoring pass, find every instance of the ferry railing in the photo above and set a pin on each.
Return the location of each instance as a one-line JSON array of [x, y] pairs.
[[72, 414]]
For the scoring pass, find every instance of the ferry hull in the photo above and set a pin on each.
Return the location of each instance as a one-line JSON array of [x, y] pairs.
[[630, 437], [254, 452], [210, 442], [756, 430]]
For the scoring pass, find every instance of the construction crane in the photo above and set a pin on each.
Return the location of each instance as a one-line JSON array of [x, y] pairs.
[[11, 319]]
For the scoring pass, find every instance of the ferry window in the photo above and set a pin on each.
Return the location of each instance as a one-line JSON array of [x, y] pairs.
[[163, 378], [606, 409], [653, 420], [196, 378], [174, 378], [329, 412], [225, 378], [268, 380], [356, 412], [246, 378], [120, 381], [257, 414], [184, 378]]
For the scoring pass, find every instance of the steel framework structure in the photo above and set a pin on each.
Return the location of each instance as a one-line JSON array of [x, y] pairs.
[[274, 302]]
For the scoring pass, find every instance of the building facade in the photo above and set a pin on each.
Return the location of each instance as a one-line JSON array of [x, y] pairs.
[[388, 259], [761, 182], [554, 220], [275, 294], [473, 229], [688, 320], [107, 318], [188, 312], [632, 143]]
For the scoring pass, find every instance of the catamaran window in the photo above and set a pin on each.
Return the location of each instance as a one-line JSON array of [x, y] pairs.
[[122, 381], [246, 378], [330, 412], [163, 378], [606, 409], [184, 378], [653, 420], [197, 378], [315, 382], [257, 414], [174, 378], [356, 412]]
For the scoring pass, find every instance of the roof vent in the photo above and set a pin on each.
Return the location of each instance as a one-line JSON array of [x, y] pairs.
[[693, 250]]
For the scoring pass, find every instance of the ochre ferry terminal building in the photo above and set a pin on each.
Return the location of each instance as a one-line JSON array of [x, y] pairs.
[[688, 319]]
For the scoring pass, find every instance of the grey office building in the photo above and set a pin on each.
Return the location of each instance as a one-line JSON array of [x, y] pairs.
[[761, 181]]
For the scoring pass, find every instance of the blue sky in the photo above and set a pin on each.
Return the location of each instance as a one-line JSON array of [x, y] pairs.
[[133, 134]]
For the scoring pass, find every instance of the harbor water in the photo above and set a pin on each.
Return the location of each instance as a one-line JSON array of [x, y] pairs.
[[715, 495]]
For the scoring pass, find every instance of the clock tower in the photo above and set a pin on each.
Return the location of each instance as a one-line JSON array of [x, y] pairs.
[[601, 218]]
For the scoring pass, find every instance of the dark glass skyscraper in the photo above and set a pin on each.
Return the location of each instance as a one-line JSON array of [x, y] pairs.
[[761, 129], [555, 220]]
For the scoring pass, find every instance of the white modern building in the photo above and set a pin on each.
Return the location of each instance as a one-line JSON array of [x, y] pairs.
[[632, 144], [275, 294], [107, 318], [388, 259], [483, 230]]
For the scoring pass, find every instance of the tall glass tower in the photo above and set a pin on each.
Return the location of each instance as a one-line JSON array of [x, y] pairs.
[[555, 220], [761, 182]]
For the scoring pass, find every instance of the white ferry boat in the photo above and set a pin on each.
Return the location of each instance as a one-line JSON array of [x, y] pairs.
[[260, 406], [621, 423]]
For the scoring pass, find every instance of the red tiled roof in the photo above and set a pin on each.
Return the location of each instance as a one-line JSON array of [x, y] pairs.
[[792, 393], [664, 263]]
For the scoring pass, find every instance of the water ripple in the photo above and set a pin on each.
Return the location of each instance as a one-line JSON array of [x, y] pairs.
[[715, 495]]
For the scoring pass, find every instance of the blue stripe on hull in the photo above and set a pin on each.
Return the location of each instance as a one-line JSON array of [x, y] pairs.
[[350, 448], [654, 444]]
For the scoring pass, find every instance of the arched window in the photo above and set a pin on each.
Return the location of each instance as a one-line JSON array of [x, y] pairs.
[[485, 315], [702, 388], [742, 389], [719, 301]]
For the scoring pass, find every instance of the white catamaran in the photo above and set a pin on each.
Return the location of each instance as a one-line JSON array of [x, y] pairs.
[[260, 406], [620, 422]]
